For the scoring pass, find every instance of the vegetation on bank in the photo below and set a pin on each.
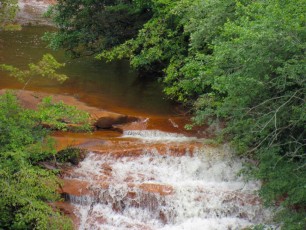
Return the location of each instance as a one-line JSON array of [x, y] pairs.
[[238, 62], [8, 10], [27, 188]]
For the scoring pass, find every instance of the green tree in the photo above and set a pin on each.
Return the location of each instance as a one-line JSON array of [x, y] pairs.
[[257, 78], [8, 10], [87, 27], [26, 189]]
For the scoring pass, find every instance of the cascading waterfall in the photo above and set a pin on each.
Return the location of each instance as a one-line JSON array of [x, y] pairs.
[[199, 190]]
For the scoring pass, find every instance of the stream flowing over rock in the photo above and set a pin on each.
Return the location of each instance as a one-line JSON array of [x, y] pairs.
[[150, 179]]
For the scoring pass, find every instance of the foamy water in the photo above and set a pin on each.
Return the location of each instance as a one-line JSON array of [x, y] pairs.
[[156, 135], [198, 191]]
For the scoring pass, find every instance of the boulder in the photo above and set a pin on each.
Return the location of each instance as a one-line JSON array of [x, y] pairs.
[[108, 122], [163, 190], [74, 187]]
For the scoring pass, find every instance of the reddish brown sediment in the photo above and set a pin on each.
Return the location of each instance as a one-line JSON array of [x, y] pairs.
[[30, 100]]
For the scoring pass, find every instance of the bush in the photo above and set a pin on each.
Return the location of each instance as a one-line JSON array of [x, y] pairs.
[[26, 189], [71, 154]]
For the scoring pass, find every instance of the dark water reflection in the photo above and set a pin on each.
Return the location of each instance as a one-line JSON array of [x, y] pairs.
[[113, 86]]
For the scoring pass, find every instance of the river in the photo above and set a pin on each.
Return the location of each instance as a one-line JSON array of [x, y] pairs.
[[112, 86], [152, 175]]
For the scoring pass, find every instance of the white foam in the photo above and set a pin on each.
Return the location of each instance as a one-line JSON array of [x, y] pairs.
[[156, 135], [206, 192], [209, 224]]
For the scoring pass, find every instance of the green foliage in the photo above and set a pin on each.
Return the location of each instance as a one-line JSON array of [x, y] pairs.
[[25, 191], [256, 72], [16, 126], [59, 116], [284, 184], [160, 39], [25, 188], [71, 154], [87, 27], [54, 115], [8, 10], [44, 68]]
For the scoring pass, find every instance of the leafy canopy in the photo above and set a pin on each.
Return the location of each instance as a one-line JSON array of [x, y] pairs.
[[87, 27]]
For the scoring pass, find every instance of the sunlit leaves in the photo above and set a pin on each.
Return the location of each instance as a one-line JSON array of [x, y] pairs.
[[47, 67], [58, 115]]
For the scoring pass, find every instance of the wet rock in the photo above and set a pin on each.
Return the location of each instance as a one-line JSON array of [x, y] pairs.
[[116, 129], [90, 143], [64, 207], [109, 121], [72, 155], [68, 210], [163, 217], [136, 148], [75, 188], [163, 190], [87, 141]]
